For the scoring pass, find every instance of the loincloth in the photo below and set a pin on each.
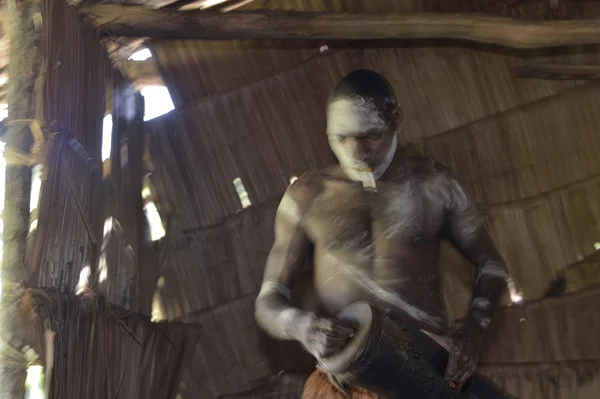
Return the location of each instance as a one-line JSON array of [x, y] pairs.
[[318, 386]]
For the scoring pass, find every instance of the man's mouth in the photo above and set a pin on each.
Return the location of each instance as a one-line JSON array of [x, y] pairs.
[[362, 164]]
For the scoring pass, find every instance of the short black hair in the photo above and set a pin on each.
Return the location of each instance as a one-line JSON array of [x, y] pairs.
[[369, 84]]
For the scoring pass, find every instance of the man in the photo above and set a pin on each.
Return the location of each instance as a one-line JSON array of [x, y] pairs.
[[375, 222]]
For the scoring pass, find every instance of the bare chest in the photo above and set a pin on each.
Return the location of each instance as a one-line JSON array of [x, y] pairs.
[[345, 217]]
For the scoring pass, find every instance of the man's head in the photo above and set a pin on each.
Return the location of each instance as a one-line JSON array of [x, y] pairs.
[[362, 119]]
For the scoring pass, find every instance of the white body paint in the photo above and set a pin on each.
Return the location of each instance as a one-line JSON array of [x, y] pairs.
[[370, 285], [465, 219], [417, 205], [270, 287], [290, 209], [284, 323], [483, 322], [481, 303], [493, 269], [286, 319], [406, 217]]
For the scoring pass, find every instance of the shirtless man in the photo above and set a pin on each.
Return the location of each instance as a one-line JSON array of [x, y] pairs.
[[376, 235]]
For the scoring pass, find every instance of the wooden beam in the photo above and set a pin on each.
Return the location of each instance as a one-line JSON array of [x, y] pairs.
[[141, 22], [558, 72]]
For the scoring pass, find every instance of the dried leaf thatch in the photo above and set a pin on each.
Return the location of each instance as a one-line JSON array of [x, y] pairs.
[[76, 71], [103, 351]]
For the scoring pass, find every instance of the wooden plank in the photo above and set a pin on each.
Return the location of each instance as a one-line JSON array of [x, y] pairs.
[[140, 22]]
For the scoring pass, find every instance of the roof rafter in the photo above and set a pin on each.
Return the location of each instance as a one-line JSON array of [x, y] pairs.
[[141, 22]]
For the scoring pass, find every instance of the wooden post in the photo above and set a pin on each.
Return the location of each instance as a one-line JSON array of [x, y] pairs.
[[132, 191], [22, 73], [123, 195]]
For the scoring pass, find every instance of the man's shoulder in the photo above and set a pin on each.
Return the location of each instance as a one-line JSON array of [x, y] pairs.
[[310, 178], [308, 185], [301, 193], [422, 165]]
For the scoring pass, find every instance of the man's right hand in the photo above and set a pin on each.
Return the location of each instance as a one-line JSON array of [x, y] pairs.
[[322, 337]]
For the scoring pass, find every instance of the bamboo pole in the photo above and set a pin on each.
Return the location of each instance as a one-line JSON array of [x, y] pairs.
[[134, 21], [22, 72]]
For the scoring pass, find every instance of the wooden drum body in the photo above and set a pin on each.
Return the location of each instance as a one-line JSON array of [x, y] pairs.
[[389, 358]]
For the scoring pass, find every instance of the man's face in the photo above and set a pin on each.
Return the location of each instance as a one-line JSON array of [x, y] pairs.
[[359, 136]]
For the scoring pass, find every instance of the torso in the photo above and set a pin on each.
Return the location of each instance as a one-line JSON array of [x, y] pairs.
[[381, 247]]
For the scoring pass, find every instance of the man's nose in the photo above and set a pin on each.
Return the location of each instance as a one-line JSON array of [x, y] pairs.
[[359, 148]]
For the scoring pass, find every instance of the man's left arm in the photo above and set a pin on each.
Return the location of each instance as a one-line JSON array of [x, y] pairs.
[[467, 232]]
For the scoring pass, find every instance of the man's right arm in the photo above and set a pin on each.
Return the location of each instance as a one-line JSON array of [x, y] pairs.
[[273, 308]]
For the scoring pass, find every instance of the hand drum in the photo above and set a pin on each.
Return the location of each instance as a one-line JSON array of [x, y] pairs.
[[388, 358]]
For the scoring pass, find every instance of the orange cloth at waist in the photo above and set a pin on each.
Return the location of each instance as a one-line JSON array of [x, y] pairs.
[[318, 386]]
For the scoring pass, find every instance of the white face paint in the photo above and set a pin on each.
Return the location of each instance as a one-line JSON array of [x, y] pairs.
[[347, 116], [381, 168], [350, 117]]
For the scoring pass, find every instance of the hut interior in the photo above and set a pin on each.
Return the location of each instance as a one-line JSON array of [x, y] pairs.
[[147, 144]]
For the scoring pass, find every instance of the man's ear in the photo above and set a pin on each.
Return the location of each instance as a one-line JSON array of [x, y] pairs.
[[397, 118]]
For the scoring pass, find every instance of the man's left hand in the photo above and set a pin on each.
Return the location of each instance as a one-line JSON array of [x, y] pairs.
[[463, 348]]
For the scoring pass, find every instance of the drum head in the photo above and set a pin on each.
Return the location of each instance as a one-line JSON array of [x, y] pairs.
[[360, 316]]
